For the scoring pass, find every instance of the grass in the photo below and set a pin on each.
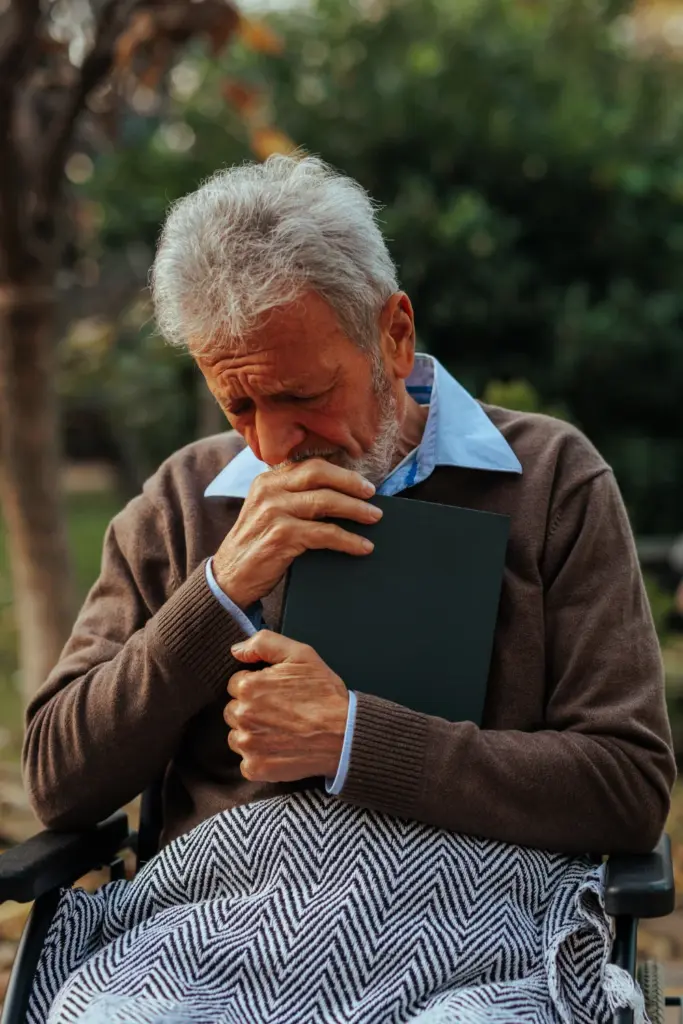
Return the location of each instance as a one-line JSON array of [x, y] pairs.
[[88, 516]]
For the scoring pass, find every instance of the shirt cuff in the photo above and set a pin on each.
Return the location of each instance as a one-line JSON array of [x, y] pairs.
[[335, 786], [250, 622]]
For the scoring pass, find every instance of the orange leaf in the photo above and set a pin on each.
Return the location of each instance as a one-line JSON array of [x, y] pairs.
[[245, 98], [259, 36], [142, 28], [265, 142], [159, 60]]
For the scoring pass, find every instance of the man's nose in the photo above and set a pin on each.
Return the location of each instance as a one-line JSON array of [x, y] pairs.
[[277, 435]]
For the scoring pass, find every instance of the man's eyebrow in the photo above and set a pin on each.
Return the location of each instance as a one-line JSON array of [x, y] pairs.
[[287, 387], [282, 391], [312, 387]]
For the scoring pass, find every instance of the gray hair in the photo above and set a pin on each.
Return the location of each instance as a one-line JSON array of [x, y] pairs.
[[258, 236]]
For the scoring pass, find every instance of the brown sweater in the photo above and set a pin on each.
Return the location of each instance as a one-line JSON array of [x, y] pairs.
[[576, 750]]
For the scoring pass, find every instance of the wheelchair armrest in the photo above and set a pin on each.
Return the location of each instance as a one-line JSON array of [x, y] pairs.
[[641, 885], [50, 860]]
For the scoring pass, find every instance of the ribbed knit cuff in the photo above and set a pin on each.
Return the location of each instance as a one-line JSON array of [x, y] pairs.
[[198, 632], [387, 757]]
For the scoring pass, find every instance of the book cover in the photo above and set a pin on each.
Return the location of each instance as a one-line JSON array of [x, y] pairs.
[[412, 622]]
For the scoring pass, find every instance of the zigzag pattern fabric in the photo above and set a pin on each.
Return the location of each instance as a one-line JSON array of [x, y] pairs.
[[306, 910]]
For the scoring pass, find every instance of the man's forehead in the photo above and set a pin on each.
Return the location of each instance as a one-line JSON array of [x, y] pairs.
[[273, 376]]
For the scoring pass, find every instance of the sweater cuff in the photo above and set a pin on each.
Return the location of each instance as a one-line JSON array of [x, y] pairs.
[[198, 632], [387, 757]]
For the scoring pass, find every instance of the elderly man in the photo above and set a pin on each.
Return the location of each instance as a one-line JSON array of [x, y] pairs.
[[278, 281]]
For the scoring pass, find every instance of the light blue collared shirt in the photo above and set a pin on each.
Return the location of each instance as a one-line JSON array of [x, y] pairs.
[[457, 433]]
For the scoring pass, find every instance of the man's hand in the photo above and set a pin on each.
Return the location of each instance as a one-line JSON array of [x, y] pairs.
[[287, 720], [279, 520]]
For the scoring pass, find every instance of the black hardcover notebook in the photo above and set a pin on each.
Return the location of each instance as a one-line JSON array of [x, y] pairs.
[[412, 622]]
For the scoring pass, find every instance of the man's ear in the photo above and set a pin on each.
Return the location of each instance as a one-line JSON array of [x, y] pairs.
[[397, 335]]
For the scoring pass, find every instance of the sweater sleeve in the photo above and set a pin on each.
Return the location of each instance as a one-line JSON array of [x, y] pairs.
[[597, 774], [108, 719]]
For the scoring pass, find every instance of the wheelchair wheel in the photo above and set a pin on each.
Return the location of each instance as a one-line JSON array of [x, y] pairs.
[[651, 979]]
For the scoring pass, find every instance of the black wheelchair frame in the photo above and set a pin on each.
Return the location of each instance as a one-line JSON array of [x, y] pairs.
[[636, 887]]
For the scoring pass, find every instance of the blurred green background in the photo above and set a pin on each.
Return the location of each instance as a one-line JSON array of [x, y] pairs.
[[529, 160]]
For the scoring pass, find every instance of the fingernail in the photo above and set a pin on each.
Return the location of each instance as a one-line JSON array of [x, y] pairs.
[[367, 544], [376, 512], [368, 488], [238, 647]]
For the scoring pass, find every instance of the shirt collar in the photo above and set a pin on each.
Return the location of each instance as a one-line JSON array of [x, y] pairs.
[[457, 433]]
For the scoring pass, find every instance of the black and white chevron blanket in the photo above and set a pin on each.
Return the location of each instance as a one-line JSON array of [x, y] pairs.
[[306, 910]]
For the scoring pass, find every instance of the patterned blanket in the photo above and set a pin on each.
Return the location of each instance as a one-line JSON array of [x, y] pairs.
[[306, 910]]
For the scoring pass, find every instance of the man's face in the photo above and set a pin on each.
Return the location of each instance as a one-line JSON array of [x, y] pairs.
[[302, 388]]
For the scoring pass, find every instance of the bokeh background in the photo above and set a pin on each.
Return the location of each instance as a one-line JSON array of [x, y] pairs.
[[529, 160]]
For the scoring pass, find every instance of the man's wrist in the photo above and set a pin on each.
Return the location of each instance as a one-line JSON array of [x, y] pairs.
[[332, 764], [249, 619], [231, 591]]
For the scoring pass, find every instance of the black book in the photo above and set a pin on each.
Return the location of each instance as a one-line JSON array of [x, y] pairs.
[[413, 621]]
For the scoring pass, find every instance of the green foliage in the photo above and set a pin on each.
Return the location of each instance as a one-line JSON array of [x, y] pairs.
[[157, 159], [520, 395], [143, 389], [661, 605], [533, 179], [532, 175]]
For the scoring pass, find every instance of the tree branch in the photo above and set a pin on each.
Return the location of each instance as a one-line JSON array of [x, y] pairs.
[[96, 66], [16, 49]]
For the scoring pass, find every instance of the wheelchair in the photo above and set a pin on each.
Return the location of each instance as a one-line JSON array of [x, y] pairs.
[[35, 871]]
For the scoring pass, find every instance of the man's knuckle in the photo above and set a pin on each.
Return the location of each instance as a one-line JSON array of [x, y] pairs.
[[259, 485], [354, 540], [241, 737], [237, 713], [247, 684], [310, 471], [240, 688], [253, 768], [279, 531], [248, 741], [315, 504], [233, 741], [336, 535]]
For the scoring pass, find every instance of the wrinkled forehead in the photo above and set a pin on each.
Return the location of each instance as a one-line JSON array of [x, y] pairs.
[[256, 373], [294, 349], [291, 363]]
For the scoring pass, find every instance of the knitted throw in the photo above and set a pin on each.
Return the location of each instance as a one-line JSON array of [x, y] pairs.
[[306, 910]]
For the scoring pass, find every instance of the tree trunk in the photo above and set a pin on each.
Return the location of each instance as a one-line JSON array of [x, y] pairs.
[[30, 484]]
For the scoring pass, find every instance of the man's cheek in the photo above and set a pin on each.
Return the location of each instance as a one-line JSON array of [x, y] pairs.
[[336, 430]]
